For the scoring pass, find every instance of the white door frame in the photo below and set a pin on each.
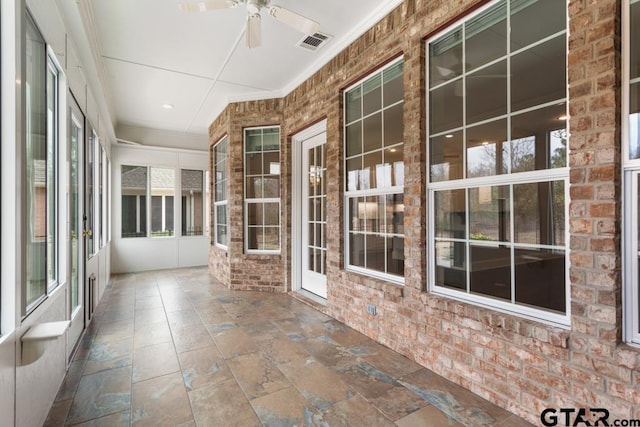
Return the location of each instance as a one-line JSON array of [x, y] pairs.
[[296, 200]]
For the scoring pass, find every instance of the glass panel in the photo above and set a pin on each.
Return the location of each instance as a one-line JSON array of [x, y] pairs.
[[540, 278], [271, 213], [451, 265], [395, 255], [254, 238], [445, 107], [271, 139], [394, 221], [392, 78], [372, 95], [52, 184], [445, 57], [271, 163], [490, 271], [162, 186], [375, 252], [253, 164], [539, 216], [357, 220], [253, 187], [526, 17], [271, 239], [394, 158], [353, 173], [486, 92], [134, 201], [254, 214], [221, 234], [354, 139], [634, 25], [487, 154], [75, 224], [356, 249], [486, 37], [489, 214], [36, 166], [271, 186], [450, 214], [539, 139], [353, 104], [393, 125], [253, 140], [192, 202], [373, 132], [547, 59], [445, 157], [368, 174]]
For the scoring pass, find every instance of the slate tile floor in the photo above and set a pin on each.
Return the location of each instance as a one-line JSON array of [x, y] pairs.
[[175, 348]]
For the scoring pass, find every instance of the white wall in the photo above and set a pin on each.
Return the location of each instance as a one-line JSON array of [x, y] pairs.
[[141, 254], [27, 391]]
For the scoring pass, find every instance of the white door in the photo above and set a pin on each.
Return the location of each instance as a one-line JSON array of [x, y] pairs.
[[314, 215], [76, 252]]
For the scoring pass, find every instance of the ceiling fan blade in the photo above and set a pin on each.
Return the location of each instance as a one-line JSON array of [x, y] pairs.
[[292, 19], [201, 6], [253, 33]]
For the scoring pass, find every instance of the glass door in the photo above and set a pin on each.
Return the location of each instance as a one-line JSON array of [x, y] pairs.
[[314, 215], [76, 264]]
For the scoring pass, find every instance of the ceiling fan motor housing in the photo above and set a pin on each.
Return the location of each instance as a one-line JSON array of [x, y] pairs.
[[254, 6]]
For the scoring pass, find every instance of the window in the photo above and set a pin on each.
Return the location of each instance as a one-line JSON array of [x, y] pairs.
[[41, 151], [262, 189], [374, 174], [162, 191], [220, 193], [192, 200], [134, 201], [632, 170], [497, 146], [90, 195]]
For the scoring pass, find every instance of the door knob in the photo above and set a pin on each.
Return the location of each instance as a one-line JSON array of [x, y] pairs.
[[87, 233]]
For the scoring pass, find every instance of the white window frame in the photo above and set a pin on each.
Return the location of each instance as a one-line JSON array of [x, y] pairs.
[[219, 203], [507, 179], [263, 200], [631, 174], [373, 192]]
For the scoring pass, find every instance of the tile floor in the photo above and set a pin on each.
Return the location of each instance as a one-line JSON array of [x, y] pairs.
[[176, 348]]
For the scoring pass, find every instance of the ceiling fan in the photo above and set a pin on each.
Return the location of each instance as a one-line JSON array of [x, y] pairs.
[[253, 35]]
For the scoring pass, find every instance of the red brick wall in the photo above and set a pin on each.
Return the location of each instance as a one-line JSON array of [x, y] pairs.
[[522, 365]]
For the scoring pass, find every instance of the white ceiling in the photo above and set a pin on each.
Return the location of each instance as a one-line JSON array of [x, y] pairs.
[[155, 54]]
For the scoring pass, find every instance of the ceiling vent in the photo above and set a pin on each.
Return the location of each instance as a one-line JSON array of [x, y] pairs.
[[314, 41]]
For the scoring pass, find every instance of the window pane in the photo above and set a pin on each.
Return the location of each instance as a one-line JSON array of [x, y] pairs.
[[134, 201], [353, 142], [392, 78], [445, 157], [272, 213], [356, 249], [90, 153], [162, 188], [451, 265], [375, 245], [393, 125], [36, 166], [445, 107], [489, 218], [487, 152], [486, 92], [253, 164], [539, 216], [372, 126], [486, 37], [490, 271], [368, 175], [394, 162], [634, 25], [52, 184], [450, 214], [192, 202], [395, 255], [353, 104], [547, 59], [540, 278], [445, 58], [253, 140], [527, 16], [372, 95]]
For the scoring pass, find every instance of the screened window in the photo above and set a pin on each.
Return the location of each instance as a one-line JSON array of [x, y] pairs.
[[220, 184], [497, 158], [192, 199], [374, 174], [41, 151], [162, 191], [262, 189], [632, 172], [134, 201]]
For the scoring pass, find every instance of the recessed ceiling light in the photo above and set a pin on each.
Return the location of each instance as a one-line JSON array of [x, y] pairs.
[[562, 117], [485, 142], [168, 106], [449, 136], [393, 150]]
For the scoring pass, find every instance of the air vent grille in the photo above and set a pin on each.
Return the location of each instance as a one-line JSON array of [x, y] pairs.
[[314, 41]]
